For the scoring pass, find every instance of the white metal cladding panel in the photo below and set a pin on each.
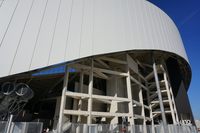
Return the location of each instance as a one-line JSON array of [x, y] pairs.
[[86, 41], [22, 60], [39, 33], [46, 34], [13, 36], [75, 28], [6, 14], [57, 53]]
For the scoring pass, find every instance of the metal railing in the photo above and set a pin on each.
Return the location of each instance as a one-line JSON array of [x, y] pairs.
[[106, 128], [21, 127], [37, 127]]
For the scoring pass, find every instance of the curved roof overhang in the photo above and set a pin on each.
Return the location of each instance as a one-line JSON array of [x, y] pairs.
[[39, 33]]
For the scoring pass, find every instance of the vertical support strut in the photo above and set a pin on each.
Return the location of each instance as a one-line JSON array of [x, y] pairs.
[[80, 100], [63, 101], [81, 91], [151, 112], [90, 91], [129, 92], [143, 110], [160, 98]]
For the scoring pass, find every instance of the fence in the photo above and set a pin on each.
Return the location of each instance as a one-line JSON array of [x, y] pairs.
[[84, 128], [21, 127], [36, 127]]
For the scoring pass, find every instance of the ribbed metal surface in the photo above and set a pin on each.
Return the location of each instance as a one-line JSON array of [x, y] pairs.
[[39, 33]]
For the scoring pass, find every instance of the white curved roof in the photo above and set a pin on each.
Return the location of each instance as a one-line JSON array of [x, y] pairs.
[[39, 33]]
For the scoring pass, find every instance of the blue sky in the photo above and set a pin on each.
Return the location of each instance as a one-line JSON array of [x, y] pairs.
[[186, 15]]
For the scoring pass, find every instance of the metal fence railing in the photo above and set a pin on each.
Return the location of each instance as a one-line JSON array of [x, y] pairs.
[[37, 127], [3, 126], [21, 127], [84, 128]]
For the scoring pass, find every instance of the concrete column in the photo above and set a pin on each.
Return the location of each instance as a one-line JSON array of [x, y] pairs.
[[142, 111], [81, 91], [57, 111], [63, 101], [78, 130], [90, 91], [129, 93], [112, 87], [151, 115]]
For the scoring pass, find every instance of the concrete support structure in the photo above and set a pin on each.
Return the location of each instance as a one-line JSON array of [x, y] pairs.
[[81, 90], [129, 93], [63, 102], [142, 108], [140, 97], [90, 91]]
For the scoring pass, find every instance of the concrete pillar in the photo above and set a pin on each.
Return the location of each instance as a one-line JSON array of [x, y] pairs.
[[90, 91], [78, 130], [57, 111], [129, 92], [63, 101], [112, 91], [142, 111], [151, 115]]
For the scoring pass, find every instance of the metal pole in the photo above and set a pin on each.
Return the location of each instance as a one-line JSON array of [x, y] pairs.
[[9, 124], [160, 98], [63, 101]]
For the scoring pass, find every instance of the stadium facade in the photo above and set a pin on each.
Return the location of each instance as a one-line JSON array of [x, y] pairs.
[[92, 62]]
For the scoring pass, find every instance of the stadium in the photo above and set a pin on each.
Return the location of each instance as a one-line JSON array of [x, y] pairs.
[[72, 63]]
